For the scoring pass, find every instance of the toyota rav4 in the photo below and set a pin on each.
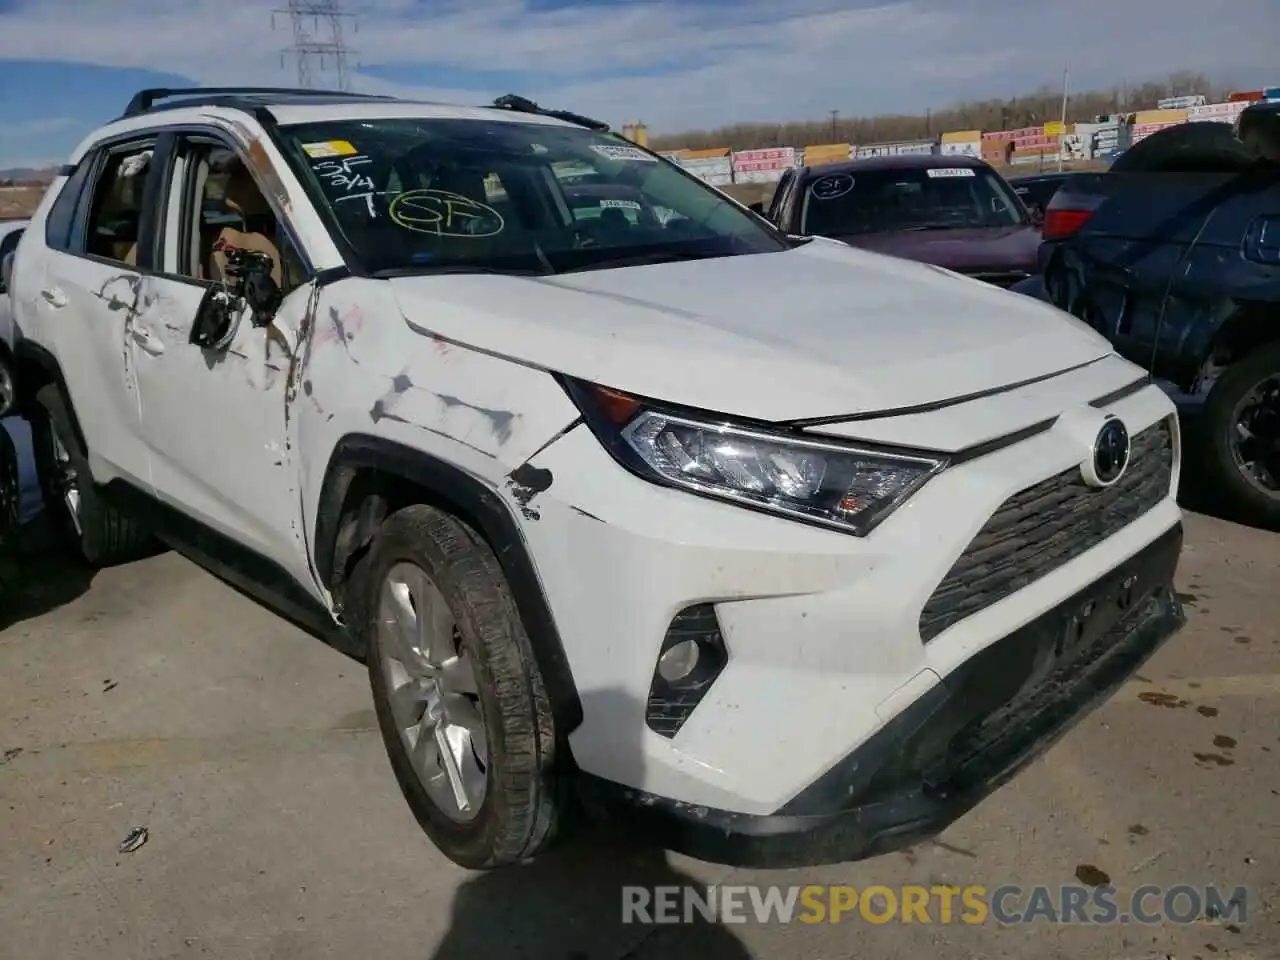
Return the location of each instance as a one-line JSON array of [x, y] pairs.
[[784, 551]]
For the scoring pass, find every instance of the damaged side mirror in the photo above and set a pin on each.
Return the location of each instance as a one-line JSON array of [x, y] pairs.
[[217, 319], [248, 283]]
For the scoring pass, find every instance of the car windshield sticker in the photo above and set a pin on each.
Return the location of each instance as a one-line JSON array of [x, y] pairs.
[[445, 214], [619, 152], [951, 172], [831, 187], [619, 205], [329, 148]]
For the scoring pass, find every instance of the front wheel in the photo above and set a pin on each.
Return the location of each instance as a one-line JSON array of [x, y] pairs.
[[460, 701], [1240, 428]]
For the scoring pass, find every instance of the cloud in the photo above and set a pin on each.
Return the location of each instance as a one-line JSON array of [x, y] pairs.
[[35, 128], [676, 64]]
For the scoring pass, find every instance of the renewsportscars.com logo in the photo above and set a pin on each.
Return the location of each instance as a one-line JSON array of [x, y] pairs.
[[1007, 905]]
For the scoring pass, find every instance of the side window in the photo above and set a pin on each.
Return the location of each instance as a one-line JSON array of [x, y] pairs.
[[116, 212], [779, 196], [223, 211], [60, 223]]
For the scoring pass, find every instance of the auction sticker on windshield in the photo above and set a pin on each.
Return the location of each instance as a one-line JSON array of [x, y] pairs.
[[951, 172], [329, 148], [619, 205], [619, 152]]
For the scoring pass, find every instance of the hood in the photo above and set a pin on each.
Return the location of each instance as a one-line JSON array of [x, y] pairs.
[[820, 330], [969, 250]]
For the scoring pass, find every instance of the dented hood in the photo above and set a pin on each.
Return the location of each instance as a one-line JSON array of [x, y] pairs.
[[821, 330]]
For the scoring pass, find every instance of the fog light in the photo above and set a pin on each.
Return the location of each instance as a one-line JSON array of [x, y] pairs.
[[692, 655], [678, 662]]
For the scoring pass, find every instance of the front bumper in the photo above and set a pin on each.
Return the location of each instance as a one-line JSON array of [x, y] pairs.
[[949, 749]]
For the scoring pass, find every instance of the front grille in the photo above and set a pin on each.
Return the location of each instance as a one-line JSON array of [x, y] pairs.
[[1046, 526], [1000, 278]]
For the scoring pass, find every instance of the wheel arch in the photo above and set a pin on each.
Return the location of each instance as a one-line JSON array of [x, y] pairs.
[[1247, 329], [34, 367], [368, 478]]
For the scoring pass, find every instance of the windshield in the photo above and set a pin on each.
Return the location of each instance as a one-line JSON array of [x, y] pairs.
[[423, 195], [875, 201]]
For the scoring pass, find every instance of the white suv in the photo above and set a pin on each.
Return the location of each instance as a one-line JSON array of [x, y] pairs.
[[783, 551]]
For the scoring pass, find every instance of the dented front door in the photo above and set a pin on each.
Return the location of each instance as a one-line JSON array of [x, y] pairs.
[[215, 422]]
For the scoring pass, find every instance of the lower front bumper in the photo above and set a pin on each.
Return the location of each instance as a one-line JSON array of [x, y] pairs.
[[950, 749]]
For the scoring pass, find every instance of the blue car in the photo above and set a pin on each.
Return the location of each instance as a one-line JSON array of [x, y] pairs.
[[1173, 254]]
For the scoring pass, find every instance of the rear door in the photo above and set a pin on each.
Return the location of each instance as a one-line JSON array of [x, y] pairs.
[[1124, 264], [1233, 264], [88, 293]]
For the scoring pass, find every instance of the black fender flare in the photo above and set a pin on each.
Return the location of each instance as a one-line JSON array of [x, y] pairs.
[[34, 365], [474, 503]]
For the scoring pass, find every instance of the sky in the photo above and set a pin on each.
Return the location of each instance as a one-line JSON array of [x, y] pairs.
[[69, 65]]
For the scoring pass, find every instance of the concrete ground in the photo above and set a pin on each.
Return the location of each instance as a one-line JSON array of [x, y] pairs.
[[152, 695]]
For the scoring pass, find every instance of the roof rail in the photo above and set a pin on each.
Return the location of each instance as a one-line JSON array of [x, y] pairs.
[[144, 100], [523, 105]]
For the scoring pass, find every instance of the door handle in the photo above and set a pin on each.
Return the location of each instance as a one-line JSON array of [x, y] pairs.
[[144, 339], [54, 297]]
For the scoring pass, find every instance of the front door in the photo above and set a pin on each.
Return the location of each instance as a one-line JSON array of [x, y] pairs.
[[215, 422]]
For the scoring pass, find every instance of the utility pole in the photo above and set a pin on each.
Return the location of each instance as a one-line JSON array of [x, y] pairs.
[[1066, 79], [318, 42], [834, 115]]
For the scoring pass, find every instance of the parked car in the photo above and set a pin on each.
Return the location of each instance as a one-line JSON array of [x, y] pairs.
[[10, 233], [780, 551], [953, 212], [1037, 189], [1174, 255]]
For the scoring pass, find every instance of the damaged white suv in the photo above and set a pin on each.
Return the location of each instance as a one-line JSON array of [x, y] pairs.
[[783, 551]]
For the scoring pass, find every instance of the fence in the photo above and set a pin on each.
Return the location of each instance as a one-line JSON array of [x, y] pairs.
[[1049, 143]]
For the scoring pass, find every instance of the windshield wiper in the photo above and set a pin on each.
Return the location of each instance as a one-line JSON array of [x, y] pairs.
[[642, 259]]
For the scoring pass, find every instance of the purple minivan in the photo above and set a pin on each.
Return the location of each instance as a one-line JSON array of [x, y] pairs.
[[954, 212]]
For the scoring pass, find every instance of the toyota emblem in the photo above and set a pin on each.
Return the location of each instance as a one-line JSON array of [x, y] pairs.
[[1110, 454]]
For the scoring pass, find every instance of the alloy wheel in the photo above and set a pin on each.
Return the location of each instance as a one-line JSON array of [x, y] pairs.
[[66, 480], [432, 690], [1255, 439]]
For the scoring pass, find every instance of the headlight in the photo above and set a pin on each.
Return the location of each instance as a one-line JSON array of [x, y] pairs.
[[829, 483]]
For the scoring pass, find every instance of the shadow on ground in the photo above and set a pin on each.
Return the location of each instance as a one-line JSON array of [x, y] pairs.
[[36, 576], [569, 903]]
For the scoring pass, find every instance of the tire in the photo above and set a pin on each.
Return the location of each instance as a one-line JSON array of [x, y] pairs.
[[1224, 477], [524, 800], [98, 532]]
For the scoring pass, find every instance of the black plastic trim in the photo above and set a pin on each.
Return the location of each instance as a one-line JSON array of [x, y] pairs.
[[1128, 390], [259, 577], [358, 452], [947, 751]]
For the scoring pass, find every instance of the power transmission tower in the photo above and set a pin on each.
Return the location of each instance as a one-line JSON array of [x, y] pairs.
[[318, 43]]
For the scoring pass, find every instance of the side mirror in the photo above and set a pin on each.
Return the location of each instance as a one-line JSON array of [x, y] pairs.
[[6, 271], [757, 207], [263, 296], [217, 319]]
